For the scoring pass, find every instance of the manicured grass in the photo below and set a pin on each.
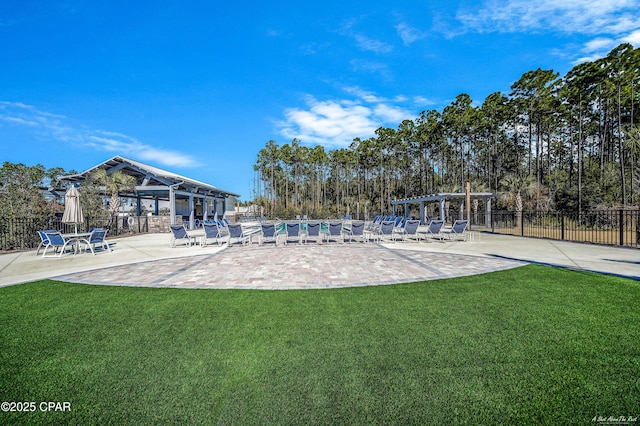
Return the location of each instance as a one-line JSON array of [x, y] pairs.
[[533, 345]]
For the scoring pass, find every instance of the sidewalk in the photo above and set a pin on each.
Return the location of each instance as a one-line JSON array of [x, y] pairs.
[[148, 260]]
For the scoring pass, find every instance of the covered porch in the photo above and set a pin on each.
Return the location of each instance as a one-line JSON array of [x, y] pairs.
[[183, 196]]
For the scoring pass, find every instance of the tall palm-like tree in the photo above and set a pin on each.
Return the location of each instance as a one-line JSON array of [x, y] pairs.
[[516, 187], [115, 183]]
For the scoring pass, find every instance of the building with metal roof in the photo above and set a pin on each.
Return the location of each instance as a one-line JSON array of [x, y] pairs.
[[183, 195]]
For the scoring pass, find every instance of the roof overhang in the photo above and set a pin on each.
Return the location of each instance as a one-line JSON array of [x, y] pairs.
[[152, 181]]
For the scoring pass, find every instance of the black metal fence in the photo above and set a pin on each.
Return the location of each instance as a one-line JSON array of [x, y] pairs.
[[21, 234], [608, 227]]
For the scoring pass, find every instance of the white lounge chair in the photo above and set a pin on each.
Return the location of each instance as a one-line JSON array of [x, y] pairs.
[[458, 230], [96, 239], [293, 232], [211, 232], [179, 235], [268, 233], [434, 229], [312, 232], [56, 241], [409, 230], [334, 231], [356, 231]]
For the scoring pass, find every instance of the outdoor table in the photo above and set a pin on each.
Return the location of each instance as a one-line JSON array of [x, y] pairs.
[[75, 237], [197, 234]]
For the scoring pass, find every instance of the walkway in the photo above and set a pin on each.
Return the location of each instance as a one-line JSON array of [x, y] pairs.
[[147, 260]]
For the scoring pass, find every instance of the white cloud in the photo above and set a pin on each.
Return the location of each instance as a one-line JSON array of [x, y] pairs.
[[610, 22], [335, 123], [365, 95], [377, 46], [52, 126], [422, 101], [633, 38], [409, 34], [569, 16]]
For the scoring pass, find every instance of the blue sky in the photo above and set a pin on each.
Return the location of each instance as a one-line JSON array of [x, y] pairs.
[[199, 87]]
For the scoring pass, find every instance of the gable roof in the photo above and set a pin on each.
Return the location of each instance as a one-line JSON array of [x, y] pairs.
[[151, 180]]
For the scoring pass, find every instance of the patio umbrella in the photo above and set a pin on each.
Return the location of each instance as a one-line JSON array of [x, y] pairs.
[[72, 208]]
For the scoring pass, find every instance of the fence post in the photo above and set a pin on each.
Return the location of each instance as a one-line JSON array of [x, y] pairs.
[[621, 227], [562, 225]]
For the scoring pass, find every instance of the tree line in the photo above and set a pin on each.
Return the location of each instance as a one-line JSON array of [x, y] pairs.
[[28, 192], [568, 143]]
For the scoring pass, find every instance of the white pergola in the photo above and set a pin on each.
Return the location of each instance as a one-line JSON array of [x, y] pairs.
[[441, 199]]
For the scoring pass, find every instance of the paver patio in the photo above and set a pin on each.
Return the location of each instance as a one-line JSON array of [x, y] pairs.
[[294, 267], [148, 260]]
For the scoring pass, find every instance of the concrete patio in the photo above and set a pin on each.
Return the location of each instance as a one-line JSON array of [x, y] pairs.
[[147, 260]]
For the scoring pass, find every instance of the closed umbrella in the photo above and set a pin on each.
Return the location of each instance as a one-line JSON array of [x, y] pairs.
[[72, 208]]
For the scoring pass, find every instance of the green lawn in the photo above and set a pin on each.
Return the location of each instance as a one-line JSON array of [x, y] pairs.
[[532, 345]]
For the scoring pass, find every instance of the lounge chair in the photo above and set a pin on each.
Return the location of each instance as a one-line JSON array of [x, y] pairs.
[[410, 229], [357, 231], [386, 230], [223, 228], [334, 231], [313, 232], [58, 242], [179, 234], [434, 228], [293, 232], [268, 233], [97, 238], [458, 230], [374, 225], [44, 240], [237, 232], [211, 232]]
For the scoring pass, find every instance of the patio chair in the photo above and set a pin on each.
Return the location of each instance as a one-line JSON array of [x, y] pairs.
[[179, 235], [237, 232], [374, 225], [223, 228], [313, 232], [44, 240], [410, 229], [385, 230], [334, 231], [357, 231], [293, 231], [211, 232], [97, 238], [458, 230], [433, 231], [268, 233], [58, 242]]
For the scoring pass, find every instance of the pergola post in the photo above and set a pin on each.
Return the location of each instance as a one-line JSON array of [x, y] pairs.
[[442, 203], [487, 211], [422, 221]]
